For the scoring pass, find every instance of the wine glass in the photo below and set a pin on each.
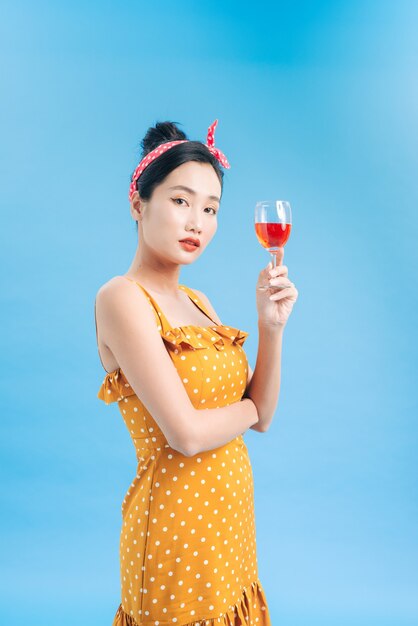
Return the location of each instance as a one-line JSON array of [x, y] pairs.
[[273, 223]]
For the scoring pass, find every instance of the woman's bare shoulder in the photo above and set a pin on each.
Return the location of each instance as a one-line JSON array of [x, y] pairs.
[[116, 295], [115, 283]]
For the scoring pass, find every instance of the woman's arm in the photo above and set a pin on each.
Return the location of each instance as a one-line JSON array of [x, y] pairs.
[[144, 360], [216, 427], [263, 386], [274, 307], [275, 295]]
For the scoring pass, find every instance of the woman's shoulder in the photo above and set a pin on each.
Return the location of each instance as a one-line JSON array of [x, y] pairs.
[[114, 284], [117, 292], [116, 306]]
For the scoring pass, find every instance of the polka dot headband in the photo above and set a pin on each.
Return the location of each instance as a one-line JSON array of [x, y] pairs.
[[151, 156]]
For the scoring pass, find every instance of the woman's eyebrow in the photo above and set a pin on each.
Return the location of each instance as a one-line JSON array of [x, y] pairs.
[[192, 191]]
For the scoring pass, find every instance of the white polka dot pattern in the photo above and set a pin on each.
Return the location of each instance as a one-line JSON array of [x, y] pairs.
[[188, 537], [151, 156], [210, 142]]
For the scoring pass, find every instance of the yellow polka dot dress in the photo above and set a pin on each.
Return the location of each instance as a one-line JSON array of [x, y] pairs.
[[188, 536]]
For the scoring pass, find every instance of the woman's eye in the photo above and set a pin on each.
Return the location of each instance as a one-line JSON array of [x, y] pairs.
[[183, 200]]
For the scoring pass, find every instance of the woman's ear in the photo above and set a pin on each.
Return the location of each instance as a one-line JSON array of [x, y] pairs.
[[136, 206]]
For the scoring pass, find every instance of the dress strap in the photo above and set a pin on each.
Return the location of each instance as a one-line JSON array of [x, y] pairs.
[[163, 324], [198, 302]]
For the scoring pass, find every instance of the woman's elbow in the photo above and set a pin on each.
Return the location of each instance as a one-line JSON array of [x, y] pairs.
[[184, 442]]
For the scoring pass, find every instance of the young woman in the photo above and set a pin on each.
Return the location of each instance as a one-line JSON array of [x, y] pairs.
[[187, 395]]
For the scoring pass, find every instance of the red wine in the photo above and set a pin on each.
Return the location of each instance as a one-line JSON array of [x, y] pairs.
[[272, 234]]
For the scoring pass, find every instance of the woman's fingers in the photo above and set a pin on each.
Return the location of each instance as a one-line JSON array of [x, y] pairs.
[[280, 281], [283, 293], [280, 270]]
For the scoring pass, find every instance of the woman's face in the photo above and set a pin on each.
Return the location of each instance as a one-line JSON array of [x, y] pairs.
[[184, 205]]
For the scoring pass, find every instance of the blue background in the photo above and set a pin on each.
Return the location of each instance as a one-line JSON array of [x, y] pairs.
[[317, 104]]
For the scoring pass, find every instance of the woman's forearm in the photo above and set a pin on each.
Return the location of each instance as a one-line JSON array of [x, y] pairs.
[[264, 387], [216, 427]]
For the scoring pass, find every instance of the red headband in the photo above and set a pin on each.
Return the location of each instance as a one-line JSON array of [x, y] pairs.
[[149, 158]]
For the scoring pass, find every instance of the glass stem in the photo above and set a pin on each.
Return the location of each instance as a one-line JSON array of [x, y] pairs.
[[273, 258]]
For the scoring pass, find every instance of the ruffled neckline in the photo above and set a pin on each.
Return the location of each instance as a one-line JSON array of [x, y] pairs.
[[115, 387], [195, 336]]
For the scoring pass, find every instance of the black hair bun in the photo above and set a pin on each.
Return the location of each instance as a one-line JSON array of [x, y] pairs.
[[160, 133]]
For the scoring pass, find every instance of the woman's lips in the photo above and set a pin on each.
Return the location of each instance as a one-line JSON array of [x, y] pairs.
[[193, 240], [190, 247]]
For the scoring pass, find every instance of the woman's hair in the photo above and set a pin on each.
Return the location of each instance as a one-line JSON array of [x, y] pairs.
[[155, 173]]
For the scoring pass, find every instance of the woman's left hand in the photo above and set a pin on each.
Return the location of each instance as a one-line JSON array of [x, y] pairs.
[[275, 312]]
